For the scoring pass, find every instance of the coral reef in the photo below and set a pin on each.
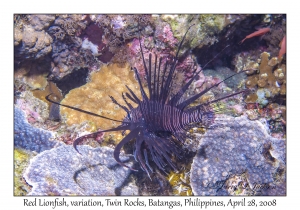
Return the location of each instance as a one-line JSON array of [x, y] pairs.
[[106, 34], [71, 56], [119, 28], [232, 106], [180, 183], [59, 53], [130, 189], [40, 22], [247, 61], [271, 42], [92, 38], [266, 74], [21, 161], [121, 33], [20, 20], [50, 88], [222, 72], [274, 38], [235, 147], [94, 97], [71, 24], [209, 25], [158, 185], [36, 111], [185, 66], [164, 38], [69, 53], [31, 44], [227, 46], [110, 33], [29, 137], [62, 171], [194, 138], [275, 116], [73, 80], [33, 73], [57, 33], [64, 28], [271, 81], [210, 35]]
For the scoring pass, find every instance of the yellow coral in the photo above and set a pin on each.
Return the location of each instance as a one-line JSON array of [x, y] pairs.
[[268, 78], [110, 80], [251, 98]]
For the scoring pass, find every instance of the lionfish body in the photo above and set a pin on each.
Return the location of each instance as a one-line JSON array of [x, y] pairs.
[[161, 129], [160, 121]]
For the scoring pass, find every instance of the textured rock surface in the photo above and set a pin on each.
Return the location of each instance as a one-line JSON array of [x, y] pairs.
[[239, 146], [31, 44], [62, 171], [29, 137], [40, 22]]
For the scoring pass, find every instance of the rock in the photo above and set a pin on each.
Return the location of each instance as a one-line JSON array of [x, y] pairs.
[[40, 22], [34, 44], [17, 36]]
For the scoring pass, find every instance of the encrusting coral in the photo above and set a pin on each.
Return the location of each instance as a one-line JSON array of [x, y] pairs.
[[62, 171], [110, 80], [29, 137], [235, 147]]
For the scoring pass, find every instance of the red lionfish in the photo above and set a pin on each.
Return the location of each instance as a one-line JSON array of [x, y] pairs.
[[160, 121]]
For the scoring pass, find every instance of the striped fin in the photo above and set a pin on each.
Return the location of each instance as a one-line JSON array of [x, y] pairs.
[[195, 97]]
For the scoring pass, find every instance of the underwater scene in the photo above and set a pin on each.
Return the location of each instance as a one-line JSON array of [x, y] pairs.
[[150, 104]]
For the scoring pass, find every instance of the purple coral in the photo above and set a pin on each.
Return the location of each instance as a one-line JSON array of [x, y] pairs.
[[61, 171], [29, 137], [236, 146]]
